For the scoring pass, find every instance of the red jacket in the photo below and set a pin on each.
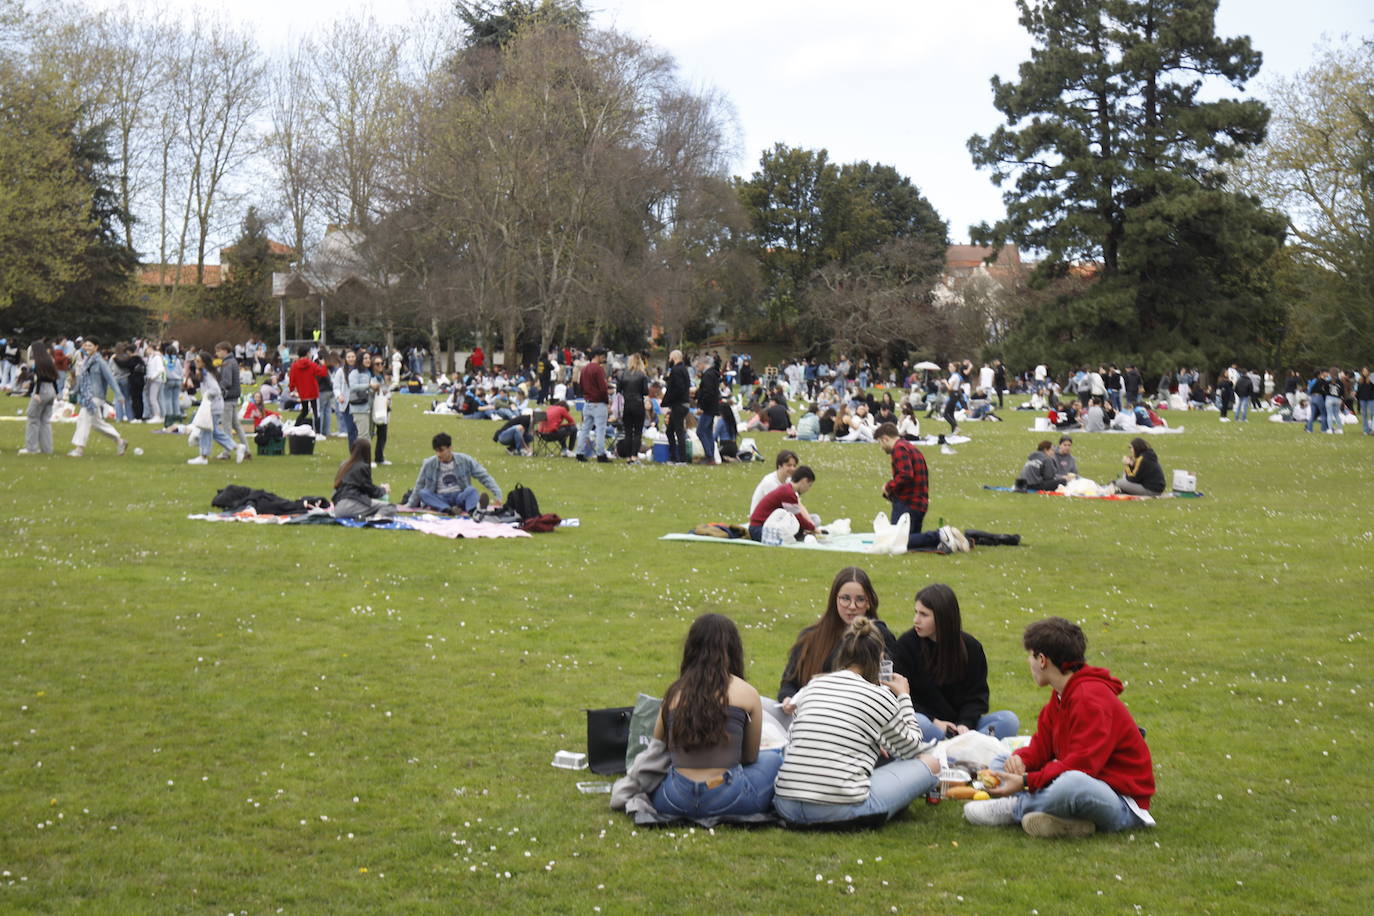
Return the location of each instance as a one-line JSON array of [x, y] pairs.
[[304, 378], [1089, 729]]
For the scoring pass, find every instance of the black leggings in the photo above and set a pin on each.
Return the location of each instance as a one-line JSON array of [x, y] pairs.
[[379, 442], [633, 424], [306, 409]]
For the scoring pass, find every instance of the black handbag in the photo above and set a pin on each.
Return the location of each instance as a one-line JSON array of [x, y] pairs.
[[608, 737]]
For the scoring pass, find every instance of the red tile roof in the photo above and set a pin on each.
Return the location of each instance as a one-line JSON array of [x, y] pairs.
[[167, 275]]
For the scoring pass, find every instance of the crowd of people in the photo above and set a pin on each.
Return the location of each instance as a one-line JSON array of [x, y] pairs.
[[864, 711]]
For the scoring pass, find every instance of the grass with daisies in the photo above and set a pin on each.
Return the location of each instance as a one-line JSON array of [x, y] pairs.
[[241, 718]]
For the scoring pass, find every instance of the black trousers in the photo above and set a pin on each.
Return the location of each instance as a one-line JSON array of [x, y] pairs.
[[677, 432]]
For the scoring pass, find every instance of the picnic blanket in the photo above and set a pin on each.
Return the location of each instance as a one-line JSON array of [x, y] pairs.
[[440, 525], [924, 440], [1146, 430], [836, 543], [1118, 497]]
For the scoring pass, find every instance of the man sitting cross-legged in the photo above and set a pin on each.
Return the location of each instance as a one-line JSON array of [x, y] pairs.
[[443, 481], [1087, 768]]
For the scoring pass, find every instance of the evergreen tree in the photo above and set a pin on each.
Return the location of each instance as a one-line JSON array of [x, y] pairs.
[[248, 287], [1115, 159], [98, 297]]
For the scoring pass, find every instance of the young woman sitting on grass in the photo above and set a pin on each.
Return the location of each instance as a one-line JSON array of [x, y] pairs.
[[1143, 475], [843, 720], [355, 495], [817, 647], [712, 721], [947, 671]]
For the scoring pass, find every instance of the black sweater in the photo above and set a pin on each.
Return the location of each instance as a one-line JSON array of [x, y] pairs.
[[357, 484], [1150, 475], [962, 701]]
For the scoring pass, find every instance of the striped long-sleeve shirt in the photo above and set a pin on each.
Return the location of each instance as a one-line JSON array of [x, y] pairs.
[[841, 721]]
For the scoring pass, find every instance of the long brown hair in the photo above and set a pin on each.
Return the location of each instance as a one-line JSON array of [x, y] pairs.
[[817, 641], [945, 655], [711, 655], [361, 451], [43, 365]]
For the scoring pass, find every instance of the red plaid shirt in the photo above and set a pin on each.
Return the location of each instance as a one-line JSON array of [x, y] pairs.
[[910, 483]]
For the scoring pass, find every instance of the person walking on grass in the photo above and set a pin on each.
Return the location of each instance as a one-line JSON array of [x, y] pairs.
[[213, 397], [908, 491], [1087, 768], [229, 385], [93, 380], [38, 425]]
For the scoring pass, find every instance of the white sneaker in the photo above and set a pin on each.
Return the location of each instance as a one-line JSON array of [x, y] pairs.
[[24, 451], [1049, 826], [239, 452], [199, 459], [996, 812], [386, 464], [946, 450]]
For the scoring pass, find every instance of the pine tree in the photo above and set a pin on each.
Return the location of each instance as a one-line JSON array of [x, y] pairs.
[[1117, 160]]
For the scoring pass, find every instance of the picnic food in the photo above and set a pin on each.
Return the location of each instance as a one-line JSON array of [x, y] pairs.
[[980, 795], [964, 792], [989, 779]]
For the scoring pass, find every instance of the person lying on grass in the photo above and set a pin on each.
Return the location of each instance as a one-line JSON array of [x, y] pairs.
[[787, 496], [444, 481], [1087, 767]]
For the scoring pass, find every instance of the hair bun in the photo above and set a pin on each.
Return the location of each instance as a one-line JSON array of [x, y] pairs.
[[863, 626]]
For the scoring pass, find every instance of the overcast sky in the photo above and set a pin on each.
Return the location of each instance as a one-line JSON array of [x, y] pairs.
[[903, 83]]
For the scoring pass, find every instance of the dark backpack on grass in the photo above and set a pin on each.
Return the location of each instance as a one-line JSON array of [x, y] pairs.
[[521, 500]]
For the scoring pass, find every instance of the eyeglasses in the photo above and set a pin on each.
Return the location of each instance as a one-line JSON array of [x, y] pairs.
[[845, 599]]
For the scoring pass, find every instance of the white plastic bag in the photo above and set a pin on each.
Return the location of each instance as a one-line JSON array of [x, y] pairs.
[[779, 528], [890, 538], [975, 748], [838, 526], [203, 419]]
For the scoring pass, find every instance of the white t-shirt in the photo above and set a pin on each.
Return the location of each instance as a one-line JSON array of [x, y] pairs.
[[767, 485], [1041, 372]]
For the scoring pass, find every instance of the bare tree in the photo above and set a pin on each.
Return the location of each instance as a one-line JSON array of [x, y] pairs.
[[219, 85]]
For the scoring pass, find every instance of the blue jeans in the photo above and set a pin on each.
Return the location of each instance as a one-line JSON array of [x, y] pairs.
[[916, 539], [217, 435], [1000, 724], [744, 790], [706, 434], [1243, 408], [1367, 416], [1114, 398], [891, 788], [171, 400], [1077, 796], [349, 427], [514, 437], [1333, 415], [591, 435], [465, 499], [1318, 404], [123, 406], [325, 407]]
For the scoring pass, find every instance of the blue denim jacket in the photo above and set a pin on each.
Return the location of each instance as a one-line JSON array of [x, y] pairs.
[[93, 378]]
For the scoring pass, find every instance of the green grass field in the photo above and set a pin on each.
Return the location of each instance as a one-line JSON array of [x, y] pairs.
[[229, 718]]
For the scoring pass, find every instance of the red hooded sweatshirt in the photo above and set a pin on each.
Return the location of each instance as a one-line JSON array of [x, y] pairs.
[[1088, 729]]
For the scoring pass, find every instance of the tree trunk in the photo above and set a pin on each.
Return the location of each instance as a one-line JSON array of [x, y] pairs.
[[435, 347]]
